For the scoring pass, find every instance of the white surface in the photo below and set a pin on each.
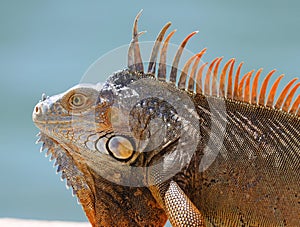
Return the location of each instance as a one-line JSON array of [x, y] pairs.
[[9, 222]]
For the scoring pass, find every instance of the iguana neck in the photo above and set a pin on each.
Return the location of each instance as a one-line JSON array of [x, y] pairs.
[[114, 205]]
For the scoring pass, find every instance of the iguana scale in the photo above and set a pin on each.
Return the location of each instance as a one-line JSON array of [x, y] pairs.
[[204, 148]]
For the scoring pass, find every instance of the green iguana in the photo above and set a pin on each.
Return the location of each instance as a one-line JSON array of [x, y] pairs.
[[201, 149]]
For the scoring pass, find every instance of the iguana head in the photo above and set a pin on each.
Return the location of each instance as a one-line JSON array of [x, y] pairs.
[[92, 154]]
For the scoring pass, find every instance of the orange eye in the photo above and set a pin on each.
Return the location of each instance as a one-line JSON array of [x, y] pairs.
[[77, 100]]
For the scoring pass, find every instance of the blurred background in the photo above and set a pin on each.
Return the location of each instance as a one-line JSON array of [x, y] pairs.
[[46, 46]]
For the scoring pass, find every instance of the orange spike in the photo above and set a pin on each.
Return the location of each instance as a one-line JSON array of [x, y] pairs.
[[295, 106], [236, 81], [263, 89], [193, 71], [130, 58], [199, 78], [208, 76], [254, 87], [241, 87], [162, 69], [298, 112], [289, 98], [184, 73], [215, 78], [270, 99], [284, 93], [247, 88], [222, 78], [173, 74], [229, 83], [155, 48], [131, 63], [138, 62]]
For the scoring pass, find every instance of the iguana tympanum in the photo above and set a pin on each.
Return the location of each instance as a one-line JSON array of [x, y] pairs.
[[146, 147]]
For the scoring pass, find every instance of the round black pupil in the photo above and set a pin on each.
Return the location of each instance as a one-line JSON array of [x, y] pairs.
[[76, 100]]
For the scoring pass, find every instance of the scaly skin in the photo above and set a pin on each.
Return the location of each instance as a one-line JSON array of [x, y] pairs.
[[106, 203], [140, 149]]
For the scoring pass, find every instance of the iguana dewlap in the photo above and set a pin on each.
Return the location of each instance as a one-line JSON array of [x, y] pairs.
[[203, 148]]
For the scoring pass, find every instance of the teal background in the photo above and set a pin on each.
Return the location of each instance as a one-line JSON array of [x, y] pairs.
[[46, 46]]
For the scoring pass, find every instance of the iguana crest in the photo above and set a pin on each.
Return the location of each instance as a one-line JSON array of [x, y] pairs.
[[213, 82]]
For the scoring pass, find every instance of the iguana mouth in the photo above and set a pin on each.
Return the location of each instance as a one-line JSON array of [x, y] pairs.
[[40, 118]]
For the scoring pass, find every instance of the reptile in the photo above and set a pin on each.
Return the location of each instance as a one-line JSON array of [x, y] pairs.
[[199, 146]]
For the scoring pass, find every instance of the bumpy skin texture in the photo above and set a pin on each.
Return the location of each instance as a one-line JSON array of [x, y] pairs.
[[140, 149], [67, 138], [253, 181]]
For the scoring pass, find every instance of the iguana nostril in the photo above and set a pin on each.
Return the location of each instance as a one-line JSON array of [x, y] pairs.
[[38, 109], [36, 112]]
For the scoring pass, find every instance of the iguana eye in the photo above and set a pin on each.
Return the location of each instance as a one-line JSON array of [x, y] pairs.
[[77, 100], [120, 147]]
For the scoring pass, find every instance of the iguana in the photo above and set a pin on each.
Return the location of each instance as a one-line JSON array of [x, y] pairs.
[[204, 148]]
